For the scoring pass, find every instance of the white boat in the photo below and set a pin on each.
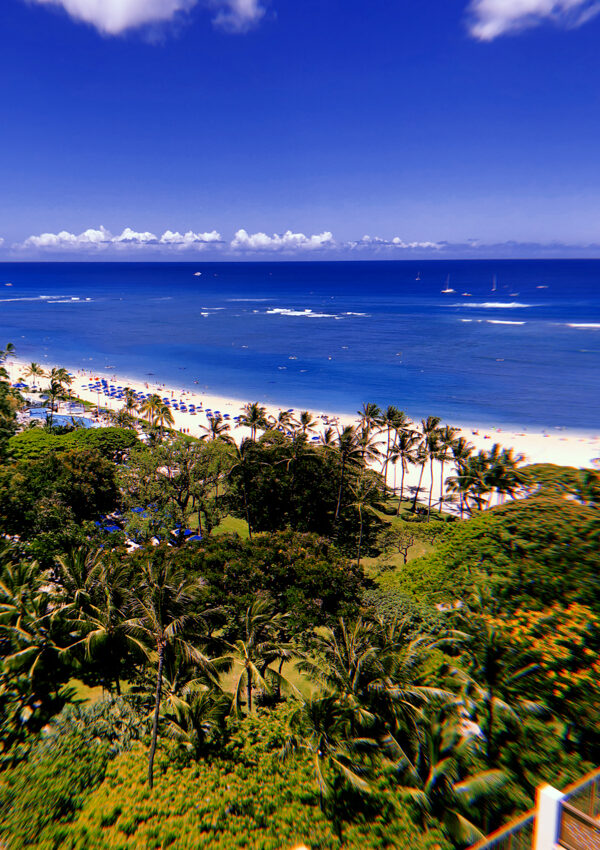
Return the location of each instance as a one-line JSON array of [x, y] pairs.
[[494, 284], [197, 274], [448, 287], [418, 277]]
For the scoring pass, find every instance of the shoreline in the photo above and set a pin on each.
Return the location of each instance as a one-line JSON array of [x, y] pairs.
[[565, 447]]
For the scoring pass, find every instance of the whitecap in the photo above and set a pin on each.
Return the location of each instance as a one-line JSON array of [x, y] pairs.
[[501, 322], [356, 314], [492, 305], [593, 325], [306, 314]]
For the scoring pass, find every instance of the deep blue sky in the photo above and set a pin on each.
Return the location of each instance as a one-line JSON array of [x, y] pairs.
[[385, 117]]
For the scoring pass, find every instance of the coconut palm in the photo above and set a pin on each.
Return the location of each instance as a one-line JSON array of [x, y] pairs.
[[217, 429], [446, 439], [436, 780], [349, 453], [321, 727], [163, 417], [253, 653], [150, 406], [62, 377], [131, 403], [396, 422], [364, 491], [421, 458], [165, 606], [34, 370], [369, 416], [254, 417], [404, 450], [54, 393], [242, 464], [7, 351], [305, 422], [281, 422], [431, 442], [100, 617]]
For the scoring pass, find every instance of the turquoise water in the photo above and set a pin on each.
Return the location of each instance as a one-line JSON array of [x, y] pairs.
[[523, 348]]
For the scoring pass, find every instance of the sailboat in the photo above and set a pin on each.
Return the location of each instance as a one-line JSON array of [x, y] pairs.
[[494, 284], [418, 277], [448, 287]]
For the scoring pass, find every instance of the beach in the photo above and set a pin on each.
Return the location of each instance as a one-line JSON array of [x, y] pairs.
[[563, 447]]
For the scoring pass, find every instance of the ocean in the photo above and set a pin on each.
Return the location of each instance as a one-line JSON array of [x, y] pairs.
[[515, 343]]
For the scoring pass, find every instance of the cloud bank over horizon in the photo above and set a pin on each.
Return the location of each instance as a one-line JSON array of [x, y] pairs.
[[489, 19], [100, 244], [114, 17]]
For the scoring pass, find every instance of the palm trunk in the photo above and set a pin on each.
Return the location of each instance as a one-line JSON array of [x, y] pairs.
[[249, 691], [441, 487], [401, 489], [430, 489], [418, 490], [161, 661], [360, 534], [246, 511], [339, 501], [490, 728]]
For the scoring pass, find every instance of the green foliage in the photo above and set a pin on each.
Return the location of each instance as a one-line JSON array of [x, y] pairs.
[[35, 443], [302, 574], [534, 550], [49, 498], [249, 797], [40, 796]]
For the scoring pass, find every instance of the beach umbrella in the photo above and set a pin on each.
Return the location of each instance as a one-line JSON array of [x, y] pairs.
[[196, 538]]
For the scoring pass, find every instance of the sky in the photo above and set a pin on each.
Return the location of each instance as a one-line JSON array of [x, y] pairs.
[[240, 129]]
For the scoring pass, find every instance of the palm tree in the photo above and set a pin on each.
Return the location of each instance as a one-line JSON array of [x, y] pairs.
[[430, 431], [99, 613], [131, 403], [200, 714], [34, 370], [446, 439], [470, 481], [305, 422], [327, 438], [163, 417], [55, 392], [164, 605], [217, 429], [150, 407], [421, 459], [461, 452], [369, 416], [6, 351], [253, 653], [281, 422], [62, 377], [497, 668], [349, 451], [404, 450], [254, 417], [242, 464], [436, 781], [320, 726], [392, 420], [364, 490]]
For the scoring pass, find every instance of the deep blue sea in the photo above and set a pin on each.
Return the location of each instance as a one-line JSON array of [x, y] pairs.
[[522, 348]]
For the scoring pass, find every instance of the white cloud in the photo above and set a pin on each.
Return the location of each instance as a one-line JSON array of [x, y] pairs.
[[183, 240], [115, 16], [237, 15], [285, 242], [91, 241], [112, 17], [492, 18]]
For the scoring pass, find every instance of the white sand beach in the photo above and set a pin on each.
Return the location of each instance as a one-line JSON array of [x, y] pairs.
[[563, 447]]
